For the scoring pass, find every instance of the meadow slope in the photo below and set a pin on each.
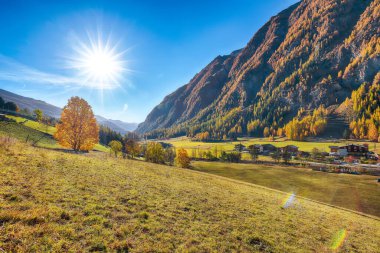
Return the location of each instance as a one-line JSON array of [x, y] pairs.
[[35, 132], [356, 192], [54, 201]]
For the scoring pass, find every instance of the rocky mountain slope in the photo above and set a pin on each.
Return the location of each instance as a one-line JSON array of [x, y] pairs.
[[314, 53], [55, 112]]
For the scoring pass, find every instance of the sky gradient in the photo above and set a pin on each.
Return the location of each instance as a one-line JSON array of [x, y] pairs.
[[164, 44]]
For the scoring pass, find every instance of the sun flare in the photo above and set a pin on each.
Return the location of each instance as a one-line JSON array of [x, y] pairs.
[[98, 64]]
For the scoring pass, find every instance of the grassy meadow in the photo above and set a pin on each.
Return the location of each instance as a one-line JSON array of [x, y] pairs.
[[322, 145], [33, 131], [356, 192], [61, 202]]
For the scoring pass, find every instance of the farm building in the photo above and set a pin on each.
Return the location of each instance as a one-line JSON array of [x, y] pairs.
[[240, 147], [269, 147], [289, 149], [259, 148], [350, 149], [338, 151]]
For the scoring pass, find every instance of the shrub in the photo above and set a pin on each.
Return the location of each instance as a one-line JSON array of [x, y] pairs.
[[233, 157]]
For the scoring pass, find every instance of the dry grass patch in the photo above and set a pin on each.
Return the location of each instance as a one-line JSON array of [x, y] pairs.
[[52, 201]]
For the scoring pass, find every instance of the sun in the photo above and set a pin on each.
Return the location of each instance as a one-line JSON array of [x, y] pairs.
[[98, 64], [101, 64]]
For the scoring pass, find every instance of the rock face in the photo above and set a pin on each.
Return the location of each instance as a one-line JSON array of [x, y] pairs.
[[313, 53]]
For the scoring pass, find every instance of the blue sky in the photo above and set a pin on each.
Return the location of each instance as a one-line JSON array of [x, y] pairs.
[[163, 45]]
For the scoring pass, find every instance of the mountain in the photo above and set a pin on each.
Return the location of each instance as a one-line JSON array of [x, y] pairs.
[[116, 125], [55, 112], [31, 104], [314, 53]]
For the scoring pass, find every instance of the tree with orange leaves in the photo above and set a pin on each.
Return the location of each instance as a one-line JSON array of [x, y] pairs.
[[77, 128], [183, 159]]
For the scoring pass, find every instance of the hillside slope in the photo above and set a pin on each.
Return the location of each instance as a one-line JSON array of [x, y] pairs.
[[34, 133], [55, 112], [313, 53], [51, 201]]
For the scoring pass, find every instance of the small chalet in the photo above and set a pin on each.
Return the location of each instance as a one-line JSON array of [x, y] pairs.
[[259, 148], [303, 154], [269, 147], [290, 148], [240, 147], [338, 151], [352, 149]]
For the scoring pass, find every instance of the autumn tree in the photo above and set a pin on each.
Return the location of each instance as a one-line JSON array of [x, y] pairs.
[[169, 155], [39, 114], [115, 146], [254, 152], [286, 156], [276, 155], [373, 133], [132, 147], [266, 132], [77, 128], [155, 153], [183, 159]]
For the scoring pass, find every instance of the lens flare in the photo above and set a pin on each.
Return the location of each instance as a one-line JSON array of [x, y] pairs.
[[288, 201], [338, 239], [98, 62]]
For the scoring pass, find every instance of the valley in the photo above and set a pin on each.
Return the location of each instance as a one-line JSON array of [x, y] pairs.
[[54, 201], [259, 126]]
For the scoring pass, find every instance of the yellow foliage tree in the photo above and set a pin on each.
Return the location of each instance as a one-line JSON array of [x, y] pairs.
[[183, 159], [115, 146], [77, 128], [373, 133]]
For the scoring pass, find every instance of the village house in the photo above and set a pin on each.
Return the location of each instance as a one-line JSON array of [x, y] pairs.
[[267, 148], [240, 147], [259, 148], [350, 149], [290, 149], [303, 154], [338, 151]]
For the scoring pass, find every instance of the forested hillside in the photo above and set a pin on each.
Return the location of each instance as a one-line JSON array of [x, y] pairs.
[[313, 54]]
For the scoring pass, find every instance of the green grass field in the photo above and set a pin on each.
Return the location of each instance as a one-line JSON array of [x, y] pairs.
[[356, 192], [53, 201], [25, 129], [186, 143]]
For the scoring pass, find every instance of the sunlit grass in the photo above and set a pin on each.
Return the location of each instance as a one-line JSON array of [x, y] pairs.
[[356, 192], [26, 129], [54, 201], [34, 124], [307, 146]]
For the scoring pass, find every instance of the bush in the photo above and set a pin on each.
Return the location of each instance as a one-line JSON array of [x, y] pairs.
[[233, 157]]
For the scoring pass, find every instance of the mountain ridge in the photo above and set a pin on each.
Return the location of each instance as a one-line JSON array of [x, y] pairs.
[[310, 54]]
